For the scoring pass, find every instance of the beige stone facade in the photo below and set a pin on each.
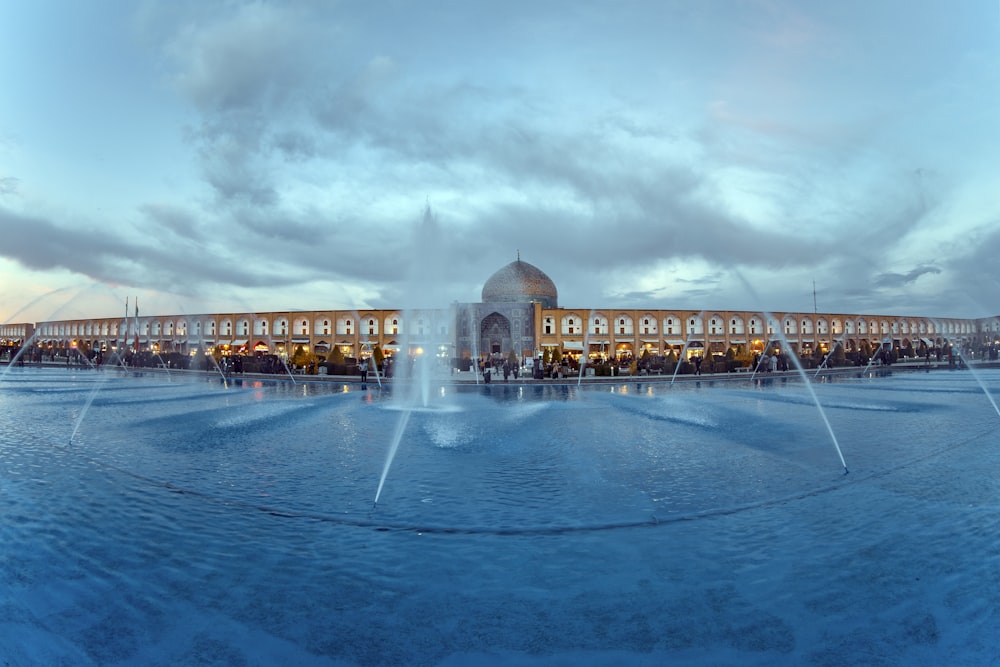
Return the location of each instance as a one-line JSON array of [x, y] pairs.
[[598, 332], [519, 314]]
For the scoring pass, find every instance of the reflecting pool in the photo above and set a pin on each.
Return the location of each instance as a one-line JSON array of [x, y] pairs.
[[183, 520]]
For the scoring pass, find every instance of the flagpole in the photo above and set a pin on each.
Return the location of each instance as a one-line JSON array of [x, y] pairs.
[[137, 326]]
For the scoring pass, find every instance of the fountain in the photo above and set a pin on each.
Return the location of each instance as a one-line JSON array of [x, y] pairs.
[[419, 339], [801, 373], [695, 521], [163, 364], [584, 356], [687, 343]]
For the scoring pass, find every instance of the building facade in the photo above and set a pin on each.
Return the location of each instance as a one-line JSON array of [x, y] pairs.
[[519, 313]]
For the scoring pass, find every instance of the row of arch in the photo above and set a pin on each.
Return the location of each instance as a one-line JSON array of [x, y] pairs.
[[573, 323], [196, 328]]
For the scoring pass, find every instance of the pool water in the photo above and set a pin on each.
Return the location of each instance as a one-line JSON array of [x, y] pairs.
[[180, 520]]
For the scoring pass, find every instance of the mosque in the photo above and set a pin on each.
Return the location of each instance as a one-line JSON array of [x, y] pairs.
[[519, 314]]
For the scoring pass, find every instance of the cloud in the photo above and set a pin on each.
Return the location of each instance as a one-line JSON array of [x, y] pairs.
[[9, 185], [178, 221], [251, 58], [319, 135], [896, 280]]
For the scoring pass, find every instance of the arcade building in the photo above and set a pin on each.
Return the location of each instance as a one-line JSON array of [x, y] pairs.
[[519, 314]]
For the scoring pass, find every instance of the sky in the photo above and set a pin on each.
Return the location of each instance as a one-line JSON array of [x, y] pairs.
[[770, 155]]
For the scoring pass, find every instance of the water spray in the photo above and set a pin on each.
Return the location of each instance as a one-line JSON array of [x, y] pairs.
[[802, 375]]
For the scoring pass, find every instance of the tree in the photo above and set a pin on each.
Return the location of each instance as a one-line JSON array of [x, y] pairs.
[[378, 355], [336, 356], [839, 354], [513, 359], [302, 357]]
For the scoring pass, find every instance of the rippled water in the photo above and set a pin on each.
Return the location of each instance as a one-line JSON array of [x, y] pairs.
[[191, 522]]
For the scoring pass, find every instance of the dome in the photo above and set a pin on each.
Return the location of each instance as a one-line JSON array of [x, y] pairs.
[[520, 282]]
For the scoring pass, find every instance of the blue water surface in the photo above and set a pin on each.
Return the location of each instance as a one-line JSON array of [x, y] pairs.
[[182, 520]]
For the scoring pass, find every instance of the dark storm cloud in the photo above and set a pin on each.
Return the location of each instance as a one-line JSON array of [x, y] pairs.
[[105, 256], [38, 243], [177, 221], [894, 280]]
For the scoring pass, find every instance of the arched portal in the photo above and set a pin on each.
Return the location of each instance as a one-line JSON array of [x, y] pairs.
[[494, 332]]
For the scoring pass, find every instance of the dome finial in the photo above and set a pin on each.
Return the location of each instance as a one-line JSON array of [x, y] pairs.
[[519, 254]]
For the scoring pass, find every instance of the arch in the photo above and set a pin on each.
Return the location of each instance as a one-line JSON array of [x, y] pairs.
[[243, 326], [345, 325], [322, 325], [673, 325], [494, 332], [624, 326], [647, 324], [572, 324]]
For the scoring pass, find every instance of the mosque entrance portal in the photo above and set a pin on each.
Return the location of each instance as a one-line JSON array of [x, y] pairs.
[[495, 333]]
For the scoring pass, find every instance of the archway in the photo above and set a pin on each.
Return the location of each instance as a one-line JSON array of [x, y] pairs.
[[494, 332]]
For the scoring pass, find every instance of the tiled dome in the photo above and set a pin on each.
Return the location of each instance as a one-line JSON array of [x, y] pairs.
[[519, 282]]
